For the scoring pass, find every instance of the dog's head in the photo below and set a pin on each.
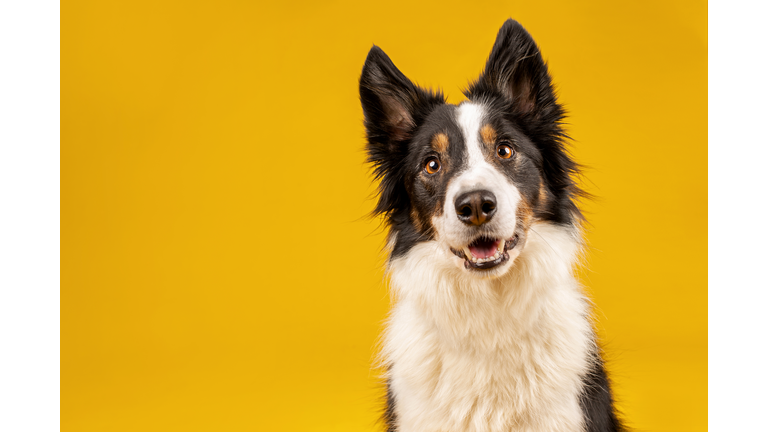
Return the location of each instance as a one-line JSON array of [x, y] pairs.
[[472, 177]]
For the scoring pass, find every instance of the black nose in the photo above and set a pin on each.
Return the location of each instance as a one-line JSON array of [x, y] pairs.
[[476, 207]]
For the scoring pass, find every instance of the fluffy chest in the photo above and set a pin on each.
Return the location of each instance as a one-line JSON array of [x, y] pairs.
[[488, 376], [488, 356]]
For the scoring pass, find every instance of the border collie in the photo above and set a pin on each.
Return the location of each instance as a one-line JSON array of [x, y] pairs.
[[490, 330]]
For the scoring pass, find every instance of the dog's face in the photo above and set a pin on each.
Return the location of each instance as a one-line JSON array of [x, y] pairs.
[[476, 176]]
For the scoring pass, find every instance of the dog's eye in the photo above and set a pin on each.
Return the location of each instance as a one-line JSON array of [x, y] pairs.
[[504, 151], [432, 165]]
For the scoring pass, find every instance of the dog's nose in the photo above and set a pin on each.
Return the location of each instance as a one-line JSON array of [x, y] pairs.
[[476, 207]]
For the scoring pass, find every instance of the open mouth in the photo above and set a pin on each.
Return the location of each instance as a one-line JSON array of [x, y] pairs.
[[485, 253]]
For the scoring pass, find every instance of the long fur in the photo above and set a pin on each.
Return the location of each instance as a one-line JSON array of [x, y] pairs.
[[503, 347]]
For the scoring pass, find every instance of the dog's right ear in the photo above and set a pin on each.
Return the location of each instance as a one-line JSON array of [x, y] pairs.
[[393, 107], [390, 100]]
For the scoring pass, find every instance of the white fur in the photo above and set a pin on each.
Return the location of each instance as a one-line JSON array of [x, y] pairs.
[[483, 354]]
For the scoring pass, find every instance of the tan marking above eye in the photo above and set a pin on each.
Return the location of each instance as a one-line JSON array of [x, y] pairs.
[[440, 142], [488, 133]]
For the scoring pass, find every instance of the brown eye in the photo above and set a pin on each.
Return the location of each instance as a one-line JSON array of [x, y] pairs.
[[504, 151], [432, 165]]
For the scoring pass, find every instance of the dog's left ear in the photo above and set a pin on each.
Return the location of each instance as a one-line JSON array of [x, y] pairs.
[[516, 70]]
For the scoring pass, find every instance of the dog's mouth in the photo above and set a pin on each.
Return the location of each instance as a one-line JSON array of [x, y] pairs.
[[486, 253]]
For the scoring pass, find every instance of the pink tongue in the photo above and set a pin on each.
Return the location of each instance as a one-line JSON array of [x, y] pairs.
[[484, 248]]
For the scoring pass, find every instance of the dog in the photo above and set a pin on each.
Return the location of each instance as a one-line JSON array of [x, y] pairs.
[[490, 330]]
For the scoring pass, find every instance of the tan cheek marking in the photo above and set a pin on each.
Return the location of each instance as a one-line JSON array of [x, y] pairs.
[[439, 208], [525, 213], [488, 133], [440, 142], [542, 194], [416, 221]]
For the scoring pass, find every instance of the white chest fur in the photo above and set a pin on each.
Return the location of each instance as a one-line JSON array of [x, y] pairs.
[[470, 354]]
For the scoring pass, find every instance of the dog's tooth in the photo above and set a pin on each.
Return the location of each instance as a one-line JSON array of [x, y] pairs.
[[467, 252], [501, 246]]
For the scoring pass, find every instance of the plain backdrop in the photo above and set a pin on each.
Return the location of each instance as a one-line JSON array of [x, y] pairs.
[[219, 270]]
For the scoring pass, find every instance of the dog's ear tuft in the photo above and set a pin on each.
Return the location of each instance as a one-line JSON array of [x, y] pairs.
[[390, 100], [516, 70], [393, 107]]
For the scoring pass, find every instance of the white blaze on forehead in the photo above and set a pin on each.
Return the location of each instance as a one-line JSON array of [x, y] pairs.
[[470, 119], [478, 173]]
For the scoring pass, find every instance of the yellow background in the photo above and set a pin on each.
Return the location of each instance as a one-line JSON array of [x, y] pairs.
[[218, 270]]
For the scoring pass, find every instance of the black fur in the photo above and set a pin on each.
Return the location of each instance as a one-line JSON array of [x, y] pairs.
[[597, 401], [389, 418]]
